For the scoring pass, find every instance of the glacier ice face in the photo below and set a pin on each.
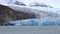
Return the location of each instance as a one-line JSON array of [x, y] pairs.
[[28, 22], [52, 22], [35, 22]]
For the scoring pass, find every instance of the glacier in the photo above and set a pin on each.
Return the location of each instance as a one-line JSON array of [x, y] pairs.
[[41, 20], [35, 22], [45, 20]]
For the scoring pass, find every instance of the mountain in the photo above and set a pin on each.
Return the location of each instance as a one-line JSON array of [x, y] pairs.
[[39, 5], [19, 3], [7, 14], [42, 18]]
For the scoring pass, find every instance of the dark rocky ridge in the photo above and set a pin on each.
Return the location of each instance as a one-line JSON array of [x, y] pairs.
[[8, 14]]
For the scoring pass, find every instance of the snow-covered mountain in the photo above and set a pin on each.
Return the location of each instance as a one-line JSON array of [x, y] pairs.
[[38, 11], [19, 3], [39, 5], [22, 3], [48, 15], [16, 2]]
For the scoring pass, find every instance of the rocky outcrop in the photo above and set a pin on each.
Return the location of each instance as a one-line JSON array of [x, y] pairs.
[[8, 14]]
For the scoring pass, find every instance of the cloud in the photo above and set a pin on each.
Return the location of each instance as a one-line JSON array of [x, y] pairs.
[[54, 3]]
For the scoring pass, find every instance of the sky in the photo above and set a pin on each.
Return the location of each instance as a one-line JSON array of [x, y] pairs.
[[54, 3]]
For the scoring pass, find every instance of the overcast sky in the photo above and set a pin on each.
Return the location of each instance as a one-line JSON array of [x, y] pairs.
[[54, 3]]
